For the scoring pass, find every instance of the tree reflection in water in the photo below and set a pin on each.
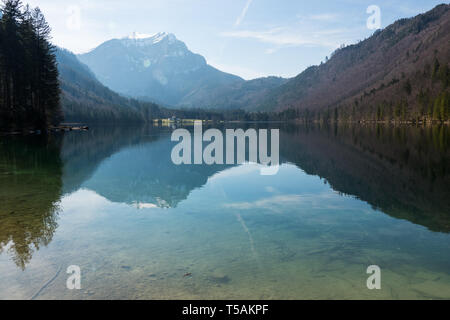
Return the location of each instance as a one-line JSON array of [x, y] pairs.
[[31, 187]]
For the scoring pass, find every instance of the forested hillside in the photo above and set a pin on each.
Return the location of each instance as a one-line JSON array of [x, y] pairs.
[[232, 96], [29, 91], [85, 99], [401, 73]]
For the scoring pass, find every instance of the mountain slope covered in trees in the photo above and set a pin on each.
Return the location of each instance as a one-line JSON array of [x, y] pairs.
[[400, 73], [237, 95], [85, 99]]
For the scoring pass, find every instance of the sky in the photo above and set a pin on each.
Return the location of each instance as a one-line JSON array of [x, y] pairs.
[[249, 38]]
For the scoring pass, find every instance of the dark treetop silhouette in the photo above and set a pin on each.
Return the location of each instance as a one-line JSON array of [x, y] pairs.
[[29, 88]]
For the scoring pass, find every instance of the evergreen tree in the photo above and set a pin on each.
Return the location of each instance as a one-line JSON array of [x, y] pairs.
[[436, 67], [29, 84], [47, 87], [11, 14]]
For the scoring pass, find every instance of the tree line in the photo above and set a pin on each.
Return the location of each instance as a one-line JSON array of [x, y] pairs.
[[426, 98], [29, 87]]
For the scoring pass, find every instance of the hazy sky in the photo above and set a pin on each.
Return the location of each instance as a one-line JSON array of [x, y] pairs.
[[250, 38]]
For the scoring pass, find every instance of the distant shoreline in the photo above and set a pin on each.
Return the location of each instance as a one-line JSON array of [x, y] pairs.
[[75, 126], [53, 129]]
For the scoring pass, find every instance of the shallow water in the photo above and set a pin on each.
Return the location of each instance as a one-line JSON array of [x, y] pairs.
[[111, 201]]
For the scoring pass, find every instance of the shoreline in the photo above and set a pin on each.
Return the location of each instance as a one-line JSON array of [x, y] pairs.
[[67, 127], [52, 129]]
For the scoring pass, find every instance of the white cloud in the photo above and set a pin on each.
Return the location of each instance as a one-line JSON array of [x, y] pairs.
[[73, 22], [271, 50], [324, 17], [243, 13], [284, 37]]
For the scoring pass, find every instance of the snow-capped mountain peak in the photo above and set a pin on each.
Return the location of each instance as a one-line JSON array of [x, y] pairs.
[[147, 39], [157, 66]]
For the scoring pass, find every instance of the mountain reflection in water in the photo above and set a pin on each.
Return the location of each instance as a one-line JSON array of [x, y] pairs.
[[402, 171]]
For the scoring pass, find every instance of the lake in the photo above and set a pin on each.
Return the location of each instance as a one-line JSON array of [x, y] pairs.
[[112, 202]]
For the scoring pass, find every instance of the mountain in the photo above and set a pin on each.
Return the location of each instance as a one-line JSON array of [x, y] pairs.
[[159, 68], [399, 72], [85, 99], [236, 95]]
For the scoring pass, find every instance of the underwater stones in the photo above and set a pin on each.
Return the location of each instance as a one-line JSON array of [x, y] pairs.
[[220, 279]]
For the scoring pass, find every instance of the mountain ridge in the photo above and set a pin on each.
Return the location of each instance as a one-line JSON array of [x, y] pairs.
[[159, 68], [400, 72], [378, 78], [85, 99]]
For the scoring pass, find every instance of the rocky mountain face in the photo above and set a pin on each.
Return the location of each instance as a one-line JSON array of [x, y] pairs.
[[159, 68]]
